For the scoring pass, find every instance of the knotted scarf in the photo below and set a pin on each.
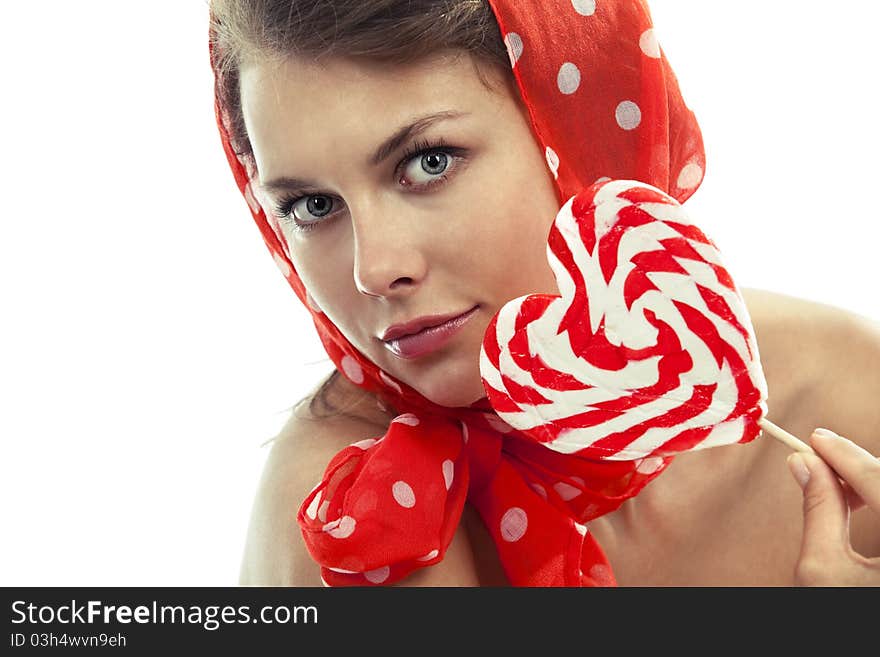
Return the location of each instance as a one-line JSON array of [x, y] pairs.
[[603, 103]]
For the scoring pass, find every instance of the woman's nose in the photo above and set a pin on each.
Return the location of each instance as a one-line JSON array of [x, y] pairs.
[[388, 258]]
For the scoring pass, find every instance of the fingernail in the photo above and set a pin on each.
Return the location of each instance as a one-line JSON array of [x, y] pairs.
[[799, 469], [825, 433]]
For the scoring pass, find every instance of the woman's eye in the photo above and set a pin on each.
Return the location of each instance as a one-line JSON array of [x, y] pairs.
[[310, 209], [423, 168]]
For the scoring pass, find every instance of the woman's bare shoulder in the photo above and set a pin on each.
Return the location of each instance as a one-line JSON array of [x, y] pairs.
[[810, 335], [275, 553], [822, 363], [803, 317]]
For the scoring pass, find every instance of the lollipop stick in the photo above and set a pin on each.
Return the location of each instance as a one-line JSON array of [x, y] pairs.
[[784, 437]]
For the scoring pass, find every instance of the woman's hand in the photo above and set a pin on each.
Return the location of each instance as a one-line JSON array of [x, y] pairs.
[[845, 478]]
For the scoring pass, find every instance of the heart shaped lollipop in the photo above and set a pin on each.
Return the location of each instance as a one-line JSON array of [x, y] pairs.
[[649, 350]]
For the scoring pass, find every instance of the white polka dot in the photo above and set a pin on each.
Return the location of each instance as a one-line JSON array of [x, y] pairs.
[[465, 432], [448, 472], [365, 444], [513, 524], [388, 381], [649, 44], [431, 555], [552, 161], [628, 115], [403, 494], [581, 529], [408, 419], [601, 180], [566, 491], [282, 265], [584, 7], [352, 370], [569, 78], [650, 465], [343, 571], [539, 489], [497, 423], [312, 303], [378, 575], [690, 176], [514, 44], [312, 511], [322, 510], [341, 528]]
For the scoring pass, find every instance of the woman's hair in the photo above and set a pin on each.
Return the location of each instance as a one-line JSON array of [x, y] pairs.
[[382, 31]]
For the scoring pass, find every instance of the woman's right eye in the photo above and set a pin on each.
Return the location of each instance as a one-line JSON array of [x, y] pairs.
[[305, 211]]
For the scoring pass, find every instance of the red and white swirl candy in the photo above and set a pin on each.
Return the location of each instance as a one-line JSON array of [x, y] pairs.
[[649, 350]]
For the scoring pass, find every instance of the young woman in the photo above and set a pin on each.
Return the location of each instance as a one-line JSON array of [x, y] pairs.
[[404, 161]]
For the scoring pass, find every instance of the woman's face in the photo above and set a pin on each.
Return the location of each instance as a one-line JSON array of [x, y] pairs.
[[382, 237]]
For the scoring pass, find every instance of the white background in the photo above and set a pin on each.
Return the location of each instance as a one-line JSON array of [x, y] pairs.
[[149, 345]]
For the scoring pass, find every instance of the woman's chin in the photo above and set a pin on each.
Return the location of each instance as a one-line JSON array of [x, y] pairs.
[[451, 378], [453, 394]]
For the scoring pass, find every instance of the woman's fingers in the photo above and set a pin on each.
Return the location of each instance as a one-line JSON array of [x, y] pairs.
[[827, 557], [853, 500], [826, 516], [858, 468]]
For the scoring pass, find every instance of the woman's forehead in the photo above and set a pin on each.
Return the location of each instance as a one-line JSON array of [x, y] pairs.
[[304, 106], [307, 84]]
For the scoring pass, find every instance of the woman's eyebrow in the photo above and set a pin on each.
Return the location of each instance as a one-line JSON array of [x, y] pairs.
[[385, 149], [408, 131]]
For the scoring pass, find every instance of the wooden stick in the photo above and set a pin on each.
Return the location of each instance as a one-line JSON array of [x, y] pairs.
[[784, 437]]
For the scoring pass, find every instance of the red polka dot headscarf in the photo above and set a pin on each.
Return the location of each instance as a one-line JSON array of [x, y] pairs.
[[603, 103]]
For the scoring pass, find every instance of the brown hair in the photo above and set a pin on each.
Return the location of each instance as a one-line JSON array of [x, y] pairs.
[[383, 31]]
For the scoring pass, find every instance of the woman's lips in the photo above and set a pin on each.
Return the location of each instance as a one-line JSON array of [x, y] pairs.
[[428, 339]]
